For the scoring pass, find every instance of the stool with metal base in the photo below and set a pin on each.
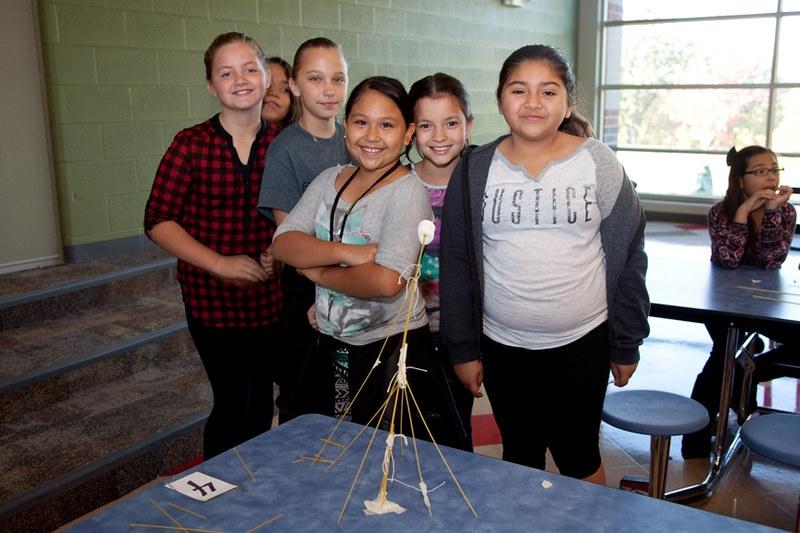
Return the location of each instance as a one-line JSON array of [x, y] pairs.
[[660, 415], [776, 437]]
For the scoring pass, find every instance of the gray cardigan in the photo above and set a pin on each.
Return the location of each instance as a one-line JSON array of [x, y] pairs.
[[461, 268]]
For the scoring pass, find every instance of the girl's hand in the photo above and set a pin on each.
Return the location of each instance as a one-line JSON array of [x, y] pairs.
[[753, 202], [312, 317], [622, 373], [358, 254], [313, 274], [780, 198], [470, 374], [269, 264], [241, 270]]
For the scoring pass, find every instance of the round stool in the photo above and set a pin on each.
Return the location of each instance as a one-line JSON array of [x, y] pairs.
[[776, 437], [658, 414]]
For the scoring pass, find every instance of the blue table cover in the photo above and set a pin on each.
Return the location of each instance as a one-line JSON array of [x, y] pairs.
[[507, 497]]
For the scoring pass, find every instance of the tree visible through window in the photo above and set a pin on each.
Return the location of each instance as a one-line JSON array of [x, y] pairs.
[[683, 81]]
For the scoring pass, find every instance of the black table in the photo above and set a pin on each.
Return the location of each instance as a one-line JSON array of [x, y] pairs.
[[684, 285], [304, 497]]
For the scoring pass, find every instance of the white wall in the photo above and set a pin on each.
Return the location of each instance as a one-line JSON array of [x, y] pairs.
[[29, 234]]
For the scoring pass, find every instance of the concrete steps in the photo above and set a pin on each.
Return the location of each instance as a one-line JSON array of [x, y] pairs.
[[101, 389]]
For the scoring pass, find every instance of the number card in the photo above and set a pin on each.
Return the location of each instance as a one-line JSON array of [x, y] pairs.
[[200, 486]]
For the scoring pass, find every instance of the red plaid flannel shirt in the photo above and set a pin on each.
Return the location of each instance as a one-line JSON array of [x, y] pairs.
[[202, 185]]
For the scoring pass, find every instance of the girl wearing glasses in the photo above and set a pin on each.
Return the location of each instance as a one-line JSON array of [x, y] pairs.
[[753, 225]]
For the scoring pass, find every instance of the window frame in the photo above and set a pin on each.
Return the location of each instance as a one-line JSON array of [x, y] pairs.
[[591, 66]]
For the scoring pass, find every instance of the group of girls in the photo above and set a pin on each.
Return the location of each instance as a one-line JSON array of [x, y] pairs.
[[534, 282]]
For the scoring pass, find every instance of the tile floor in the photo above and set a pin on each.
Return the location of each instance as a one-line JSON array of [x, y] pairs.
[[753, 488]]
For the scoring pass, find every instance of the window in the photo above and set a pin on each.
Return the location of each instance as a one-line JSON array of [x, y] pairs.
[[683, 81]]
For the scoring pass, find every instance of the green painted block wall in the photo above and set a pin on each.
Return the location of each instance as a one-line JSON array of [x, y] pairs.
[[123, 76]]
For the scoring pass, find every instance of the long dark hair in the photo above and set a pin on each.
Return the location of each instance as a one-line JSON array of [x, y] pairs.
[[734, 196], [738, 161], [228, 38], [287, 71], [575, 124]]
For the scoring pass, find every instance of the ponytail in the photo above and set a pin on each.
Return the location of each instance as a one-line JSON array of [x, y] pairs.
[[577, 125]]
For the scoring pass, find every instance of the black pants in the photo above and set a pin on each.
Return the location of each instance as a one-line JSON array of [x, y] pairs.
[[429, 388], [460, 397], [240, 368], [550, 398], [297, 339]]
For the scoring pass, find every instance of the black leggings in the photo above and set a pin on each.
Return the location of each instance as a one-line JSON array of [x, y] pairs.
[[240, 369], [297, 338], [549, 399], [429, 388]]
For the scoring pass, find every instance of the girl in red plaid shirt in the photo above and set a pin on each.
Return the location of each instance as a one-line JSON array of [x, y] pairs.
[[202, 209]]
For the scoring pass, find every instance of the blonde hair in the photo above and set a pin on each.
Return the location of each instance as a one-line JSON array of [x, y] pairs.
[[316, 42]]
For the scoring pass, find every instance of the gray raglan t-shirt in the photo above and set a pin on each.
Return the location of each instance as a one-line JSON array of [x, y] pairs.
[[294, 159], [387, 217]]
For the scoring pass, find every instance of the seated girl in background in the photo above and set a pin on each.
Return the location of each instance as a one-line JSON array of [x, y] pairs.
[[354, 234], [753, 225]]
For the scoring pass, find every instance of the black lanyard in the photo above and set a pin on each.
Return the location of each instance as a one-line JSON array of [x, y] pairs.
[[363, 194]]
